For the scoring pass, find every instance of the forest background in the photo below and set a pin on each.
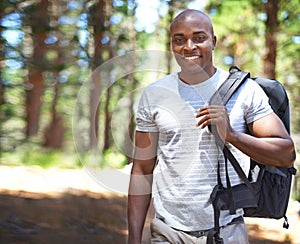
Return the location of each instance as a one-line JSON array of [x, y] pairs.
[[52, 49]]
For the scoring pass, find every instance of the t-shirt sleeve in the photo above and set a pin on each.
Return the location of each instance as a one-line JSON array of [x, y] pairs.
[[258, 102], [144, 115]]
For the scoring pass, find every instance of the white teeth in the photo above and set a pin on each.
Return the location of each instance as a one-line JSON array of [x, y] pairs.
[[191, 58]]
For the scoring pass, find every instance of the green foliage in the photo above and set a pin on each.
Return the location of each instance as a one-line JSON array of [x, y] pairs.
[[94, 159], [113, 160], [45, 160], [239, 34], [32, 154], [239, 26]]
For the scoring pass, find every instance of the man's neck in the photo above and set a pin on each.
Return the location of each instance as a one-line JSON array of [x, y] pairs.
[[196, 77]]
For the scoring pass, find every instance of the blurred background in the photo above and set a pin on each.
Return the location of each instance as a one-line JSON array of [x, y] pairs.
[[48, 50]]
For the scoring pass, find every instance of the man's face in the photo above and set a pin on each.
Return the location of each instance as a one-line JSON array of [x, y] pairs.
[[192, 42]]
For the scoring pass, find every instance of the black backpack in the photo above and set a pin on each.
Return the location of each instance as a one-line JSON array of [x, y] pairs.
[[266, 190]]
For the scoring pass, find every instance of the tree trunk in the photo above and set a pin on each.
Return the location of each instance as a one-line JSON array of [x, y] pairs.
[[107, 121], [54, 133], [97, 21], [2, 44], [2, 86], [107, 135], [34, 93], [271, 10]]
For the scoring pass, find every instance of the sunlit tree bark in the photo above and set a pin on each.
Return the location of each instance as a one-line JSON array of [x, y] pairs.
[[54, 133], [38, 20], [97, 22]]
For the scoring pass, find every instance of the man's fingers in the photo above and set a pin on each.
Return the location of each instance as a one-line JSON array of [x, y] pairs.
[[211, 115], [210, 110], [208, 120]]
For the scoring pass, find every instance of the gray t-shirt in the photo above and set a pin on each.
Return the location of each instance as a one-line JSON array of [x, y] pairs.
[[185, 174]]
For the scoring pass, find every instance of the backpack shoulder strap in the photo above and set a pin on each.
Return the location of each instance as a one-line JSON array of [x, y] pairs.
[[221, 97], [225, 91], [230, 85]]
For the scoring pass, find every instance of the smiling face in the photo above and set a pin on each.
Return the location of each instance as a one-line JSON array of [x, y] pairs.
[[192, 42]]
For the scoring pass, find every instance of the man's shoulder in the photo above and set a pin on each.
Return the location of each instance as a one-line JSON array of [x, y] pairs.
[[220, 76], [167, 86], [168, 82], [251, 85], [165, 81]]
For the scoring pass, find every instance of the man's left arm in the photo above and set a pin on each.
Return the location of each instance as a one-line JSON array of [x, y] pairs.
[[268, 143]]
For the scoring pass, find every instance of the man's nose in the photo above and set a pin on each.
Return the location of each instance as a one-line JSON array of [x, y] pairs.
[[190, 45]]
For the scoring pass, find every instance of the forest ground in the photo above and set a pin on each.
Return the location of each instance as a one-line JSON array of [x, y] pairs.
[[67, 206]]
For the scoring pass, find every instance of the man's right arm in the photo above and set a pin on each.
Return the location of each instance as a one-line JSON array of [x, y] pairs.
[[140, 186]]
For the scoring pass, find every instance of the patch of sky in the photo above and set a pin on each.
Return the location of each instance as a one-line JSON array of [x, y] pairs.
[[13, 37], [12, 20], [163, 8], [83, 36], [83, 63], [116, 19], [13, 64], [117, 3], [105, 40], [67, 20], [82, 54], [284, 14], [228, 60], [121, 52], [51, 40], [213, 12], [82, 22], [74, 5], [131, 4], [12, 54], [63, 76], [197, 4], [262, 16], [147, 15], [296, 39]]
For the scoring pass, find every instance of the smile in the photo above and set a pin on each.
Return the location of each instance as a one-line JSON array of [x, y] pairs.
[[192, 57]]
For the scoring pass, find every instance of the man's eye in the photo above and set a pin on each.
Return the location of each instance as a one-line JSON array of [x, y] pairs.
[[198, 39], [179, 40]]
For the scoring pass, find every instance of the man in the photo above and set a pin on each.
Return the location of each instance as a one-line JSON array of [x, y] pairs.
[[176, 155]]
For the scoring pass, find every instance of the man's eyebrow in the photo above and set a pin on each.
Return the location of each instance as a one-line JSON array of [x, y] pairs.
[[199, 32], [178, 34], [194, 33]]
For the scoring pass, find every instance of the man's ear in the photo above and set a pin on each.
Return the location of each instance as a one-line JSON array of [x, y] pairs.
[[214, 42]]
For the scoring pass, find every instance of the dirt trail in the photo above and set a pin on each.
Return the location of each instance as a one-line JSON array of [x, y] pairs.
[[67, 206]]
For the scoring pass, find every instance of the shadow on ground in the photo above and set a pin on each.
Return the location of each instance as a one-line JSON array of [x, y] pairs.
[[73, 217]]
